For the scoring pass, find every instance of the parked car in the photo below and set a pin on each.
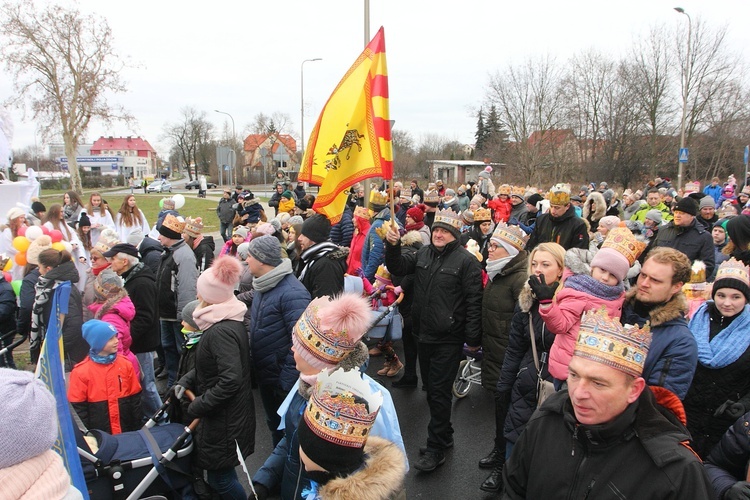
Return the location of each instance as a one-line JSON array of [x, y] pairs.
[[159, 187], [195, 184]]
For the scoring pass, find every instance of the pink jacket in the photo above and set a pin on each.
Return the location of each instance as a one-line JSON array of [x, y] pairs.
[[120, 315], [563, 318]]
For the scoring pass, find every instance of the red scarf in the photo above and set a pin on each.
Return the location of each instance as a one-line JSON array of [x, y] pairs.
[[414, 227], [97, 270]]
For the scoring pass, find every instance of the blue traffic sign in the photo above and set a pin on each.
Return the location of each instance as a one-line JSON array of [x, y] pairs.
[[684, 155], [747, 153]]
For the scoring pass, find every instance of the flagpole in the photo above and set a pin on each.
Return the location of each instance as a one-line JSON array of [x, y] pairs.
[[393, 204], [367, 40]]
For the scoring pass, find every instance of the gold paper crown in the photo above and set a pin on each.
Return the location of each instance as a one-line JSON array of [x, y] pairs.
[[698, 272], [605, 340], [511, 234], [559, 194], [378, 198], [692, 187], [382, 273], [432, 197], [733, 269], [405, 193], [168, 204], [518, 191], [504, 189], [106, 242], [450, 218], [173, 223], [361, 212], [622, 240], [334, 414], [193, 227], [329, 346], [482, 215]]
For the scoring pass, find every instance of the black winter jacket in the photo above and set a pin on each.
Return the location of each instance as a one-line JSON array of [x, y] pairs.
[[326, 265], [26, 302], [519, 376], [411, 242], [727, 462], [204, 253], [641, 454], [225, 210], [694, 241], [568, 230], [76, 348], [150, 251], [144, 328], [224, 397], [447, 306]]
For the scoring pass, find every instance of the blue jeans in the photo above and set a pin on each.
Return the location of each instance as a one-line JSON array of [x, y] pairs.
[[172, 341], [225, 229], [150, 399], [226, 484]]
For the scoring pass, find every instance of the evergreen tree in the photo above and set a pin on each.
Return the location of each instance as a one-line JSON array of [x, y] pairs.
[[481, 133], [492, 126]]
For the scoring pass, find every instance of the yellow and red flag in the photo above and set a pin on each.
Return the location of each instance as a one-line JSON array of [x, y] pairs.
[[351, 140]]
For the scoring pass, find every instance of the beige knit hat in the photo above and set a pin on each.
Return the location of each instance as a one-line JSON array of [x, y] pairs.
[[37, 246]]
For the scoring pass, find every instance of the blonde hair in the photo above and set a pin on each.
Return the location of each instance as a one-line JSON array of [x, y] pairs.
[[556, 251]]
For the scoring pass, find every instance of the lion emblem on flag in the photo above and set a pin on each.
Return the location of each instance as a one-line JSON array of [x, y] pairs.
[[351, 138]]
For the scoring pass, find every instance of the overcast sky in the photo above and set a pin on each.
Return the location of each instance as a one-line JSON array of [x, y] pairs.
[[244, 57]]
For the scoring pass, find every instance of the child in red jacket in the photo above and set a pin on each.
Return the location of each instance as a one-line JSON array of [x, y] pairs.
[[104, 389]]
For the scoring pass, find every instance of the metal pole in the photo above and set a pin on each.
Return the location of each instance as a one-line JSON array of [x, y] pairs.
[[234, 139], [686, 73], [367, 40]]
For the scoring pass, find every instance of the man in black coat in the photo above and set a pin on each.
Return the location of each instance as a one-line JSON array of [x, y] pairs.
[[323, 262], [140, 283], [560, 225], [687, 235], [446, 313]]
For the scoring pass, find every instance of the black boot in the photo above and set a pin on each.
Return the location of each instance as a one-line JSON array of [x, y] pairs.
[[406, 382], [495, 458], [494, 482]]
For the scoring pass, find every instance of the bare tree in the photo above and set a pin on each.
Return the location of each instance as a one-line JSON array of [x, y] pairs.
[[276, 123], [191, 138], [63, 63], [528, 99]]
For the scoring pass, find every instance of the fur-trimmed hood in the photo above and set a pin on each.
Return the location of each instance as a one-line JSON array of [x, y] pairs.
[[677, 307], [579, 260], [595, 207], [525, 299], [411, 237], [381, 478]]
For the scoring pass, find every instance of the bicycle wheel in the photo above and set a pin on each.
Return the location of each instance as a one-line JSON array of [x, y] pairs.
[[462, 386]]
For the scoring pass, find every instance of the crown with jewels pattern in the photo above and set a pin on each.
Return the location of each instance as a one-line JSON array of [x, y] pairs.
[[405, 193], [559, 194], [361, 212], [193, 227], [450, 218], [622, 240], [333, 413], [504, 189], [518, 192], [692, 187], [379, 198], [382, 274], [432, 197], [482, 215], [328, 345], [173, 223], [511, 234], [733, 269], [605, 340]]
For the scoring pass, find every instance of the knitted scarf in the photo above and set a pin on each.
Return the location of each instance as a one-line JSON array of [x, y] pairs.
[[726, 347], [414, 227], [43, 290], [272, 278], [586, 284], [315, 252], [232, 309], [494, 267], [43, 476]]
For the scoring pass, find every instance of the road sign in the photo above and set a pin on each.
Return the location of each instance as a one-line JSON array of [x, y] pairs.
[[747, 153], [683, 155]]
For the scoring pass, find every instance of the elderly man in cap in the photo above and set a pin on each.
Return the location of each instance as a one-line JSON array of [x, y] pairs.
[[323, 263], [687, 235], [175, 284], [446, 313], [140, 283], [606, 436]]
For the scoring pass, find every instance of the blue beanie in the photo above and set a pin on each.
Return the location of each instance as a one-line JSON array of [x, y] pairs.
[[97, 333]]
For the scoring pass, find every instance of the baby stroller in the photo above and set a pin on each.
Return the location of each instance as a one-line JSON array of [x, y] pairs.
[[6, 353], [469, 372], [154, 461]]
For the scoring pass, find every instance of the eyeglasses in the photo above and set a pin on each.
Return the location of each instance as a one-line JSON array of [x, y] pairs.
[[492, 247]]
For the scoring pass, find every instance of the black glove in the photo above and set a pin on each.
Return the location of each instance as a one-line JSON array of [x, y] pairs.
[[736, 410], [260, 490], [541, 290], [739, 491], [724, 406]]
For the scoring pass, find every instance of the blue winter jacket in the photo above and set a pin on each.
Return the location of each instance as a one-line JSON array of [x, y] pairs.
[[673, 354], [342, 233], [273, 316], [714, 192], [373, 251]]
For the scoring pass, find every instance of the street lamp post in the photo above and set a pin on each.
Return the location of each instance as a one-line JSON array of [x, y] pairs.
[[302, 100], [234, 138], [686, 73]]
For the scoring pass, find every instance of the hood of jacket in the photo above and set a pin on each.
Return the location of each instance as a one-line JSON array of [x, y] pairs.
[[412, 239], [579, 260], [149, 245], [64, 272], [208, 241], [123, 308], [381, 477], [675, 308], [525, 299], [595, 207]]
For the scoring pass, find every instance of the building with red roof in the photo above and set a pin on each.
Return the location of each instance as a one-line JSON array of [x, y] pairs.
[[274, 151], [139, 158]]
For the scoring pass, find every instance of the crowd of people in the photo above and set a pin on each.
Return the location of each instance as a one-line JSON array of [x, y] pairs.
[[612, 328]]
